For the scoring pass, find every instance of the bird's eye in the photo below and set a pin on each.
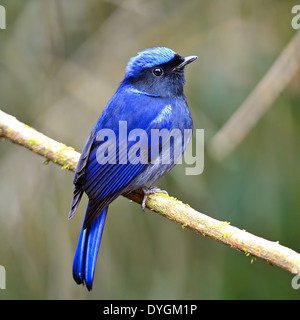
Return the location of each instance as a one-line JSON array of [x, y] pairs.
[[157, 71]]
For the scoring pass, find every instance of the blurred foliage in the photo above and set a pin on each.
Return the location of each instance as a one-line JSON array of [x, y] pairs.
[[60, 62]]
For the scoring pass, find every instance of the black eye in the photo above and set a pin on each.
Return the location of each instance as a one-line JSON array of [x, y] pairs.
[[157, 71]]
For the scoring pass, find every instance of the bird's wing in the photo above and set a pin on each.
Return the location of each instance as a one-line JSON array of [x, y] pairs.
[[103, 181], [80, 172]]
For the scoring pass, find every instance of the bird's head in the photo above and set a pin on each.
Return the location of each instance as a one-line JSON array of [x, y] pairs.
[[158, 71]]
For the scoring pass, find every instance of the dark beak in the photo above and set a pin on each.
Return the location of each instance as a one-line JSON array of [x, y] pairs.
[[185, 62]]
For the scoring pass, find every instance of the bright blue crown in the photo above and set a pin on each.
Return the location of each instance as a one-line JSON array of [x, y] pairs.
[[149, 58]]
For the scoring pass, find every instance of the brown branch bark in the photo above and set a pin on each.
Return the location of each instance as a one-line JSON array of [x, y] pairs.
[[166, 206]]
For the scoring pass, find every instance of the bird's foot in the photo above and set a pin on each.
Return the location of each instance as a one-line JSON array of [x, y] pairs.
[[148, 191]]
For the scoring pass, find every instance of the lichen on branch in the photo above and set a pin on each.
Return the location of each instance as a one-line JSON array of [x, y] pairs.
[[168, 207]]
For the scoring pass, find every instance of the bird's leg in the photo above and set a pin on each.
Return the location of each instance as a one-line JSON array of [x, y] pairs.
[[148, 191]]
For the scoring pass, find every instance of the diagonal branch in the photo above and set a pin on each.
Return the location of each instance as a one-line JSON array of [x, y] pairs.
[[166, 206], [284, 69]]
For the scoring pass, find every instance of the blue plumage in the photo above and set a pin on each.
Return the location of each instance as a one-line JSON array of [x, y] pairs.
[[87, 251], [149, 97], [147, 59]]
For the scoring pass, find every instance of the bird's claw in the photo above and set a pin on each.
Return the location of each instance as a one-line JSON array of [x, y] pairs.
[[148, 191]]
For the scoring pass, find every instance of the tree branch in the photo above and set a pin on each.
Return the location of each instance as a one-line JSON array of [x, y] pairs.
[[283, 70], [166, 206]]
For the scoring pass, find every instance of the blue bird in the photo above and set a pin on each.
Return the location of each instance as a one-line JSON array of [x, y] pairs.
[[149, 97]]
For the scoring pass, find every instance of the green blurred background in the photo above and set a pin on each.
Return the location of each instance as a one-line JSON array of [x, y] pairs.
[[60, 62]]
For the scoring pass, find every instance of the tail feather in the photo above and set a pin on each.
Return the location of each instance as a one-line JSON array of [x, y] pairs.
[[87, 251]]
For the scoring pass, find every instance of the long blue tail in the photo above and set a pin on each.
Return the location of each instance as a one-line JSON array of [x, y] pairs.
[[87, 250]]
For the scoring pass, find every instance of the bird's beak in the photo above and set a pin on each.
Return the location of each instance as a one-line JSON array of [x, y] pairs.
[[185, 62]]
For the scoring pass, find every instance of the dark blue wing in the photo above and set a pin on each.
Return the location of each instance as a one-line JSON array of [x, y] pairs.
[[79, 174], [105, 182]]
